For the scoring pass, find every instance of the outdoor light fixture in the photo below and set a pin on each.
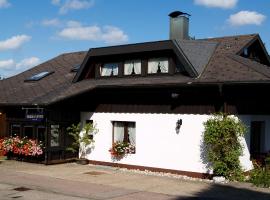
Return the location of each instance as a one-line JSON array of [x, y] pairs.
[[175, 95], [178, 125]]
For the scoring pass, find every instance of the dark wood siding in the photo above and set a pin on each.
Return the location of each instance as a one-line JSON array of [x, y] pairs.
[[190, 100]]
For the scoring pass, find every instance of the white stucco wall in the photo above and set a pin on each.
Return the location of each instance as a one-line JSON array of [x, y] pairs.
[[157, 143]]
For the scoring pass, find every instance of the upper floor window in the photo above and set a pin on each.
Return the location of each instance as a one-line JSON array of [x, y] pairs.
[[158, 65], [109, 69], [132, 67]]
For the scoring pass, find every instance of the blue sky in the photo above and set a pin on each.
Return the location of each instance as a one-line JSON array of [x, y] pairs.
[[34, 31]]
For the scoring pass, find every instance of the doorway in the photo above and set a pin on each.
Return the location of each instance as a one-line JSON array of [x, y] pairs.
[[257, 133]]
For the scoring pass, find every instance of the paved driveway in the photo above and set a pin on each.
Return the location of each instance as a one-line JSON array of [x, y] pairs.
[[70, 181]]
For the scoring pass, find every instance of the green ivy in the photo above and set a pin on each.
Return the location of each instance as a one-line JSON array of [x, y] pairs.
[[222, 145]]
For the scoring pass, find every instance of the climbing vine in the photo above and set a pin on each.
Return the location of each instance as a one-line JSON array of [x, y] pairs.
[[222, 145]]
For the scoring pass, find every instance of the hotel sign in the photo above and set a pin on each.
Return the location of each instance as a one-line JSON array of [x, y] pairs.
[[34, 114]]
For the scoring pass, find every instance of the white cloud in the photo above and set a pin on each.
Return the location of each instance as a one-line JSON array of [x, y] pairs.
[[108, 34], [246, 18], [27, 63], [56, 2], [51, 22], [112, 34], [81, 33], [4, 4], [69, 5], [10, 67], [14, 42], [225, 4], [7, 64], [73, 23]]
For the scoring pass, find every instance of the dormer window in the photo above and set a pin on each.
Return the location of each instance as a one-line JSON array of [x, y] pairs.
[[245, 52], [132, 67], [158, 65], [109, 69]]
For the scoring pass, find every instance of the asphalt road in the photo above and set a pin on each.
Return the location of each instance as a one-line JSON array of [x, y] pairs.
[[26, 181]]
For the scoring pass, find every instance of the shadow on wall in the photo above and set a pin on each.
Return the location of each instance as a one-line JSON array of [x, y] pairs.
[[222, 192], [203, 156]]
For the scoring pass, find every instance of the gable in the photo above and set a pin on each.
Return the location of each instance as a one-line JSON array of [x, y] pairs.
[[256, 51]]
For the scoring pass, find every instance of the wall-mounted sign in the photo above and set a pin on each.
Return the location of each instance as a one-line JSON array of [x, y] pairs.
[[34, 114]]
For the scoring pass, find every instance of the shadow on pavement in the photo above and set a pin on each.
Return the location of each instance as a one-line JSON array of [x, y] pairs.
[[221, 192]]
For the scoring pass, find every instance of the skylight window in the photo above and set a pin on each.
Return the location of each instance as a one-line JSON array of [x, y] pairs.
[[76, 68], [39, 76]]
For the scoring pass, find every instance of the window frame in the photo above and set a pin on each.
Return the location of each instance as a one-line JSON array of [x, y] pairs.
[[35, 77], [130, 60], [108, 63], [160, 73], [125, 131]]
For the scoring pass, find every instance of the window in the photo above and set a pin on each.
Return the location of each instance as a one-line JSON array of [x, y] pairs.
[[28, 132], [76, 68], [158, 65], [245, 52], [124, 132], [132, 67], [109, 69], [41, 131], [55, 135], [39, 76], [15, 130], [89, 121]]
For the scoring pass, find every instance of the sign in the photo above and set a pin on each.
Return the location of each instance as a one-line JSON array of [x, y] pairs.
[[34, 114]]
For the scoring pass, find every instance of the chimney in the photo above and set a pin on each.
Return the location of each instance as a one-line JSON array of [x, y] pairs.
[[179, 25]]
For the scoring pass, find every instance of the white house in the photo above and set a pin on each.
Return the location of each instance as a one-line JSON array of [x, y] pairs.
[[153, 95]]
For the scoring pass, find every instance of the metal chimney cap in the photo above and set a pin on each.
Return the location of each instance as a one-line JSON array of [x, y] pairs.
[[177, 13]]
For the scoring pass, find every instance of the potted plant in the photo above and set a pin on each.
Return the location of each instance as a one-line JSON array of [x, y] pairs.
[[82, 139]]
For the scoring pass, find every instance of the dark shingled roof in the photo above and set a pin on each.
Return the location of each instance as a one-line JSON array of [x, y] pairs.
[[216, 60], [15, 90], [198, 52]]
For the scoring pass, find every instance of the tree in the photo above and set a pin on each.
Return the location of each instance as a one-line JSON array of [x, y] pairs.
[[81, 137]]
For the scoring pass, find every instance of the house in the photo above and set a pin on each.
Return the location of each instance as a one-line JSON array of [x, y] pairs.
[[155, 95]]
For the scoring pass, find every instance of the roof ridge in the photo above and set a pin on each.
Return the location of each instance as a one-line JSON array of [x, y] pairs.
[[231, 36]]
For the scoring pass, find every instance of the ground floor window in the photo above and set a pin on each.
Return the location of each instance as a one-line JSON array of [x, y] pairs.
[[31, 131], [41, 131], [55, 136], [28, 132], [15, 130], [124, 132]]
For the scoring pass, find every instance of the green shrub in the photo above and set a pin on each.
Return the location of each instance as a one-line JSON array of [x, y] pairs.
[[222, 145], [260, 177]]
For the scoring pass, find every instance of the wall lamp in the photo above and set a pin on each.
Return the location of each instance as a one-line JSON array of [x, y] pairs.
[[174, 95], [178, 125]]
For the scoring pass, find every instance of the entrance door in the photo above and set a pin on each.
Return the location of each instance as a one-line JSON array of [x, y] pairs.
[[257, 137]]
